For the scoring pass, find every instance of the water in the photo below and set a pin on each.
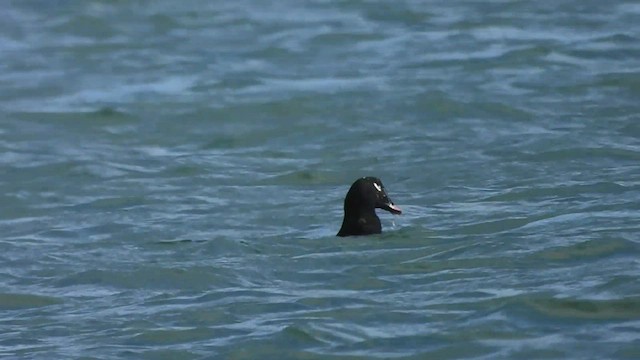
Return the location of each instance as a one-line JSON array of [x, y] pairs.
[[172, 177]]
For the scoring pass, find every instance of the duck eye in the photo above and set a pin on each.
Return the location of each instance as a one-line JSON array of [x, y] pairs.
[[378, 187]]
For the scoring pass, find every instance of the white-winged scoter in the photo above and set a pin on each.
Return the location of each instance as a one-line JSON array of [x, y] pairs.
[[365, 195]]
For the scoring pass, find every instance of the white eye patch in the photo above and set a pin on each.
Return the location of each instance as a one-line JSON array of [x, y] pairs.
[[378, 187]]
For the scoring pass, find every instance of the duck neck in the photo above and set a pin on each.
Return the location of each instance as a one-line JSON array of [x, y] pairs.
[[360, 221]]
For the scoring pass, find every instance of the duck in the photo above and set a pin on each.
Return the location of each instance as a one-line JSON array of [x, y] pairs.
[[363, 198]]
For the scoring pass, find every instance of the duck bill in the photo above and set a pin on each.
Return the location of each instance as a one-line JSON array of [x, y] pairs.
[[390, 207]]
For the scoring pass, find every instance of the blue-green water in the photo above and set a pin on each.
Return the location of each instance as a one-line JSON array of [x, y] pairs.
[[172, 176]]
